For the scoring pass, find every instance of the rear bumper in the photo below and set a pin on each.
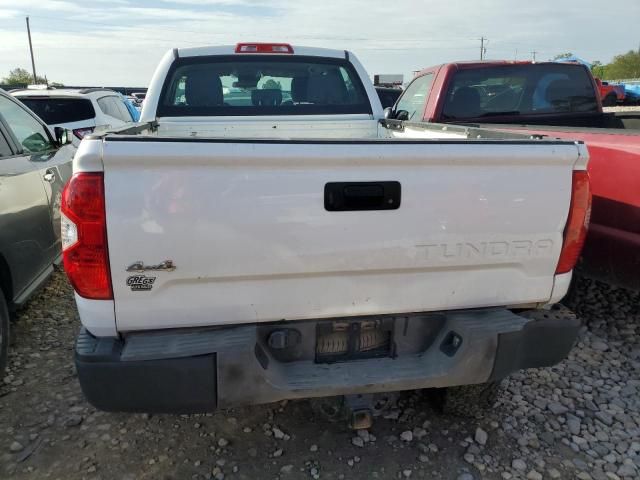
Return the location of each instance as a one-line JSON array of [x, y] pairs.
[[199, 370]]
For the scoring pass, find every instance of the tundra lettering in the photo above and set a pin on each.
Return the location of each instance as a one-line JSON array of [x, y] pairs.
[[493, 250]]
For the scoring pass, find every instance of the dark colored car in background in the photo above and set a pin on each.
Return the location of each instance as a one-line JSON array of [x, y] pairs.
[[388, 96], [558, 100], [34, 167]]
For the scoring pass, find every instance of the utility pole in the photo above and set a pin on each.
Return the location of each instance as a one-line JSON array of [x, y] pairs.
[[534, 55], [33, 63], [482, 49]]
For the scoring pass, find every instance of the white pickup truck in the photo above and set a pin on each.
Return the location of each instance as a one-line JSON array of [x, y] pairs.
[[265, 234]]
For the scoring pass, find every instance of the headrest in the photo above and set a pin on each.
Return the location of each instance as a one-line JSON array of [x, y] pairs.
[[560, 91], [267, 97], [465, 103], [326, 89], [299, 87], [202, 89]]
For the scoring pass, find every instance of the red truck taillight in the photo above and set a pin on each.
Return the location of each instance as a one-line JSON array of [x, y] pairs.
[[84, 236], [575, 231]]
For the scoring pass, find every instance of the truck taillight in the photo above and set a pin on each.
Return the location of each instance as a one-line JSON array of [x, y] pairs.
[[575, 231], [264, 48], [84, 236]]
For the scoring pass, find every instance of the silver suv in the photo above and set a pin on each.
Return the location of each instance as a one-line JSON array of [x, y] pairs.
[[35, 164]]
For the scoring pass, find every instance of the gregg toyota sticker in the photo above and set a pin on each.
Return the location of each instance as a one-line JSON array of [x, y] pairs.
[[140, 283]]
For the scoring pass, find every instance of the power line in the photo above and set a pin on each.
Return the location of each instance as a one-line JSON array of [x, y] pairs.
[[132, 33], [200, 32], [121, 28], [115, 26], [125, 28]]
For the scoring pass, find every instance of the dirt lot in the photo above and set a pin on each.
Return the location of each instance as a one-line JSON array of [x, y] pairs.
[[580, 419]]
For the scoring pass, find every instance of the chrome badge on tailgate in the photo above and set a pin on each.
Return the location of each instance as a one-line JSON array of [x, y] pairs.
[[140, 267]]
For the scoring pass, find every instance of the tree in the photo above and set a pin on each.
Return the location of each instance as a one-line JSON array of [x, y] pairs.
[[626, 65], [20, 76], [598, 69]]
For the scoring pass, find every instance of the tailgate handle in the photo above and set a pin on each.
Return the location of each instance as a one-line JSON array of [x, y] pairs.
[[353, 196]]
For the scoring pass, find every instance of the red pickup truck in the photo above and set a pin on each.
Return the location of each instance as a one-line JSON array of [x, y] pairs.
[[611, 95], [559, 100]]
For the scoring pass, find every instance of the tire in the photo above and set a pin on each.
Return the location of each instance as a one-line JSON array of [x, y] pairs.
[[470, 400], [4, 332], [610, 100]]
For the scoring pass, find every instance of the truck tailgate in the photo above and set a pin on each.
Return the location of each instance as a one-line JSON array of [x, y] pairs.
[[480, 223]]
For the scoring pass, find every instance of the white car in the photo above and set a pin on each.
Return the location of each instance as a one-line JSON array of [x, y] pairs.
[[81, 111]]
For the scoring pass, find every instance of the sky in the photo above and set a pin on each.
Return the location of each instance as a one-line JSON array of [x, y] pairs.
[[119, 42]]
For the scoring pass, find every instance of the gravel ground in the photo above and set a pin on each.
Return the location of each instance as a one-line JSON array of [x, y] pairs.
[[580, 419]]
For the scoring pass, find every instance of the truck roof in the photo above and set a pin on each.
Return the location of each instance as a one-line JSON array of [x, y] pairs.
[[60, 92], [490, 63], [231, 50]]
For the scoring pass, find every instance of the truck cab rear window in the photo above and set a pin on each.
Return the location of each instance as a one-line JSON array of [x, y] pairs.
[[228, 85], [546, 88]]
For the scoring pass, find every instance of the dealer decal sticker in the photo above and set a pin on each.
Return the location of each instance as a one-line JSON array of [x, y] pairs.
[[140, 283]]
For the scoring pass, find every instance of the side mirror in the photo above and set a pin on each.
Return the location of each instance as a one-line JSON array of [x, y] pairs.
[[402, 115], [388, 113], [63, 136]]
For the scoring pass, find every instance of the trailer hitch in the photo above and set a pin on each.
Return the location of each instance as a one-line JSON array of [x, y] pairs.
[[358, 410]]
